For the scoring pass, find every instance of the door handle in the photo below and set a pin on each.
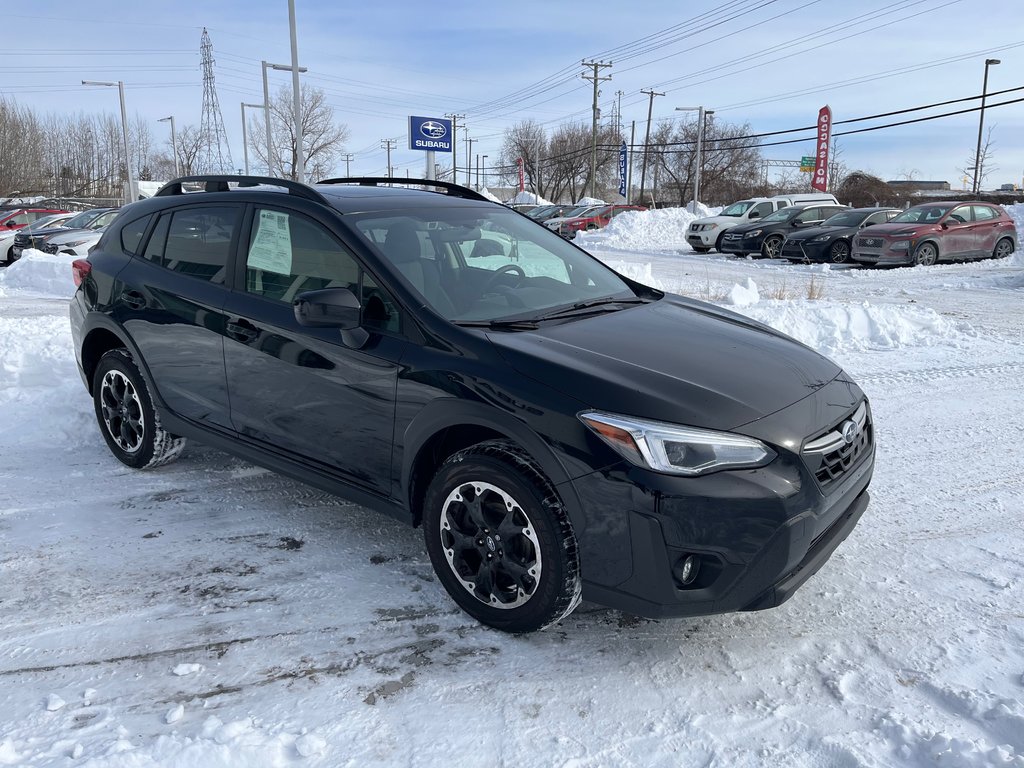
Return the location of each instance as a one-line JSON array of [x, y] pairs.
[[133, 299], [242, 331]]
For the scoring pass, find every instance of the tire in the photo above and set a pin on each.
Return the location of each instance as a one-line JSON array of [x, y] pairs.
[[839, 253], [926, 254], [500, 539], [771, 247], [718, 242], [1003, 248], [126, 416]]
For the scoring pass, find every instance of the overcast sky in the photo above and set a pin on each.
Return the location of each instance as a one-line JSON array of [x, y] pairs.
[[768, 63]]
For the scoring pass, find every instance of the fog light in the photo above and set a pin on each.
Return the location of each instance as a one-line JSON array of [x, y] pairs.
[[685, 570]]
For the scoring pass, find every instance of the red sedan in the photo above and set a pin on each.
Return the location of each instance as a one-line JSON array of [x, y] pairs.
[[939, 231], [596, 220]]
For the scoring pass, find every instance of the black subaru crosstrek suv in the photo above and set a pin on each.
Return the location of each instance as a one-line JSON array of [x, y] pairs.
[[557, 429]]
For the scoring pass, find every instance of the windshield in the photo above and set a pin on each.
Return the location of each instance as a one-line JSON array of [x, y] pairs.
[[846, 219], [485, 264], [544, 210], [783, 214], [583, 210], [920, 214], [79, 221], [737, 209]]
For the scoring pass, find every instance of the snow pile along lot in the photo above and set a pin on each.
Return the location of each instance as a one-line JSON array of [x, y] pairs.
[[211, 613], [664, 229], [38, 274]]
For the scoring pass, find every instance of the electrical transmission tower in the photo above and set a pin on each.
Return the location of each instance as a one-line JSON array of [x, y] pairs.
[[214, 152]]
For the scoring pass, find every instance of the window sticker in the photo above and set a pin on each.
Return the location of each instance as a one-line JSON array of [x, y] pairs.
[[271, 249]]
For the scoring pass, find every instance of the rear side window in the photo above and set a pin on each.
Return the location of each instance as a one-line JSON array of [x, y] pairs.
[[984, 213], [132, 234], [198, 241]]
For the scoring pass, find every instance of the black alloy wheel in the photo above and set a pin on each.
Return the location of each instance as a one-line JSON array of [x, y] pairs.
[[839, 253], [771, 247], [126, 417], [500, 540]]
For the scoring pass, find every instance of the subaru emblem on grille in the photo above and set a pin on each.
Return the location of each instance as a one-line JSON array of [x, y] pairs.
[[849, 430]]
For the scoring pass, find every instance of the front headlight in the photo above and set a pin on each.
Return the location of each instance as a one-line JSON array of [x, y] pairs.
[[676, 449], [822, 239], [710, 227], [900, 245], [755, 233]]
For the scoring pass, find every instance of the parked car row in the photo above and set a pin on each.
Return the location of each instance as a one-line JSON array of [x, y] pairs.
[[68, 233], [805, 230], [586, 218]]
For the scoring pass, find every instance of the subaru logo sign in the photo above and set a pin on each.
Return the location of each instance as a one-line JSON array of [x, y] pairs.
[[433, 130], [430, 134]]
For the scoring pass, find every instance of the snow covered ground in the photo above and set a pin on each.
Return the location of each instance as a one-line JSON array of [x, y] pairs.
[[211, 613]]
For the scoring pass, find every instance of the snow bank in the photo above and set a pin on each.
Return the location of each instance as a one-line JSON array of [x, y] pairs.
[[589, 201], [831, 328], [642, 231], [1016, 212], [38, 274], [528, 198]]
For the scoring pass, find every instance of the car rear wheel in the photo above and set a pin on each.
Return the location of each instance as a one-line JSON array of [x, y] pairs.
[[500, 539], [771, 247], [1003, 248], [839, 253], [127, 419], [926, 255]]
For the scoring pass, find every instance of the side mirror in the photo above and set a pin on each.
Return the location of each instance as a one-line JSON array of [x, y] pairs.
[[332, 308], [867, 224]]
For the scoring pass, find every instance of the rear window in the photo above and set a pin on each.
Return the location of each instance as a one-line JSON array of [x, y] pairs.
[[132, 234]]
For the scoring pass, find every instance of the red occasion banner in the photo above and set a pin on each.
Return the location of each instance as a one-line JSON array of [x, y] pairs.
[[820, 181], [522, 175]]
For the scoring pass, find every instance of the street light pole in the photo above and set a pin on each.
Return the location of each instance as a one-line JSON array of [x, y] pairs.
[[266, 109], [245, 138], [300, 161], [124, 130], [700, 140], [981, 123], [485, 173], [174, 144]]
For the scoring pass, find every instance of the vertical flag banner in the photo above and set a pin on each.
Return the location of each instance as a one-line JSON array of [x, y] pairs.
[[820, 181], [522, 175], [622, 169]]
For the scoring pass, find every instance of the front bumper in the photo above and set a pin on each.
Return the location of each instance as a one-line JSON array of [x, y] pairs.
[[805, 250], [758, 534], [879, 256], [741, 246]]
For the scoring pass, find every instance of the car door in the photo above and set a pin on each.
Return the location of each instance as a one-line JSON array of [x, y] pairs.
[[169, 300], [305, 391], [986, 230], [808, 217], [958, 234]]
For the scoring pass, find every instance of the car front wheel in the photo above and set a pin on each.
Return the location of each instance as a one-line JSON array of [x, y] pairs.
[[771, 247], [839, 253], [126, 416], [926, 255], [500, 539]]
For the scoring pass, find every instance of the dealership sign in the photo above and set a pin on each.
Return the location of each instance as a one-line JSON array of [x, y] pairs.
[[430, 134], [820, 180], [623, 157]]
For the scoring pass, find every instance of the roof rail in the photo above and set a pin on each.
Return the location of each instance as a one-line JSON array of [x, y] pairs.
[[218, 182], [455, 190]]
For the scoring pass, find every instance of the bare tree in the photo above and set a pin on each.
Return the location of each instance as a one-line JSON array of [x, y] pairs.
[[323, 140], [982, 160]]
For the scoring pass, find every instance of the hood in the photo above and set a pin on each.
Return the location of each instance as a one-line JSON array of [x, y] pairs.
[[735, 220], [72, 234], [807, 234], [674, 360], [890, 229]]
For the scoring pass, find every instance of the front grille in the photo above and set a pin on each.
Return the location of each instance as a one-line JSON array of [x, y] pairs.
[[21, 241], [790, 248], [841, 448], [730, 236], [869, 242], [49, 248]]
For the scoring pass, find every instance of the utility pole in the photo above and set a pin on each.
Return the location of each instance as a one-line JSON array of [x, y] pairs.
[[455, 137], [469, 160], [300, 161], [388, 144], [618, 114], [647, 140], [976, 187], [347, 157], [595, 78]]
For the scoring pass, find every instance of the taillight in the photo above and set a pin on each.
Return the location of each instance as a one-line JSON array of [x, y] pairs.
[[80, 269]]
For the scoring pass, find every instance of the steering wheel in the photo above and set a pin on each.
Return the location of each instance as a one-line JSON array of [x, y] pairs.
[[505, 270]]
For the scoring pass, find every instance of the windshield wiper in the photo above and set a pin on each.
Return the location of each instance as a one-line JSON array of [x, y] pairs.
[[501, 325], [586, 307]]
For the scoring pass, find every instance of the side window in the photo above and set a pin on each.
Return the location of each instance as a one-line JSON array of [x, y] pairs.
[[984, 213], [199, 241], [21, 219], [158, 241], [809, 214], [132, 234], [960, 215], [761, 209], [289, 254], [879, 218]]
